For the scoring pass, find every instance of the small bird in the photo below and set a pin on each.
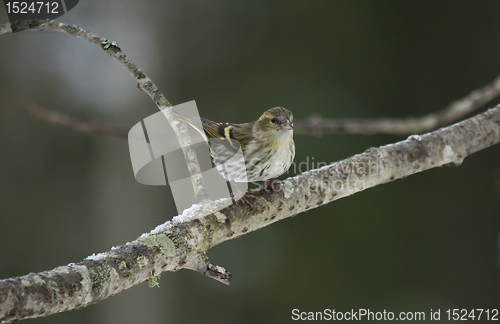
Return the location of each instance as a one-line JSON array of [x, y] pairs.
[[267, 146]]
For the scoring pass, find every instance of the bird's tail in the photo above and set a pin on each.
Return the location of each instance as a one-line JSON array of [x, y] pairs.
[[197, 124]]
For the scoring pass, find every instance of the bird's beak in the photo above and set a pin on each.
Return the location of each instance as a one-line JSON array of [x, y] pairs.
[[289, 124]]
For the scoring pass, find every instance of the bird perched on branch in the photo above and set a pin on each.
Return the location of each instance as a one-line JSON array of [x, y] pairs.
[[266, 144]]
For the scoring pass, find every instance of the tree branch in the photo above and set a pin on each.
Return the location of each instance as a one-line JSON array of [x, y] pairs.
[[401, 126], [143, 83], [56, 118], [183, 242], [317, 125]]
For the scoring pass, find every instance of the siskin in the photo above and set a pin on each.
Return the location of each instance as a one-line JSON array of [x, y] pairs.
[[266, 144]]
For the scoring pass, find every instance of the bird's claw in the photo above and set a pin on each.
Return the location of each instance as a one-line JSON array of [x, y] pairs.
[[272, 185], [245, 199]]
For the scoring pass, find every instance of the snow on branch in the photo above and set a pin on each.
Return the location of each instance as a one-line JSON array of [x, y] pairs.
[[182, 243]]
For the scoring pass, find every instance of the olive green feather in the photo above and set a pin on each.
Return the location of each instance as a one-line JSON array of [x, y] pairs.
[[228, 131], [267, 145]]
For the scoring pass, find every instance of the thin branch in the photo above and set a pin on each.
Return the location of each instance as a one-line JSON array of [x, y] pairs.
[[183, 242], [56, 118], [143, 83], [317, 125], [402, 126]]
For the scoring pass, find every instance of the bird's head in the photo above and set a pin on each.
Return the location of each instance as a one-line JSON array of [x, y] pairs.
[[276, 122]]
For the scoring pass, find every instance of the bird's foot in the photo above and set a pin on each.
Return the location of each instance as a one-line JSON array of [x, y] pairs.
[[245, 199], [240, 196], [272, 185]]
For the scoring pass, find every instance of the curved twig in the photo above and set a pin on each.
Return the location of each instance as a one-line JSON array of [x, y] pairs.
[[143, 83]]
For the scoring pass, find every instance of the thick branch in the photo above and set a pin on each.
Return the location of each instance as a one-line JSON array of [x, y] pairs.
[[143, 83], [184, 241], [402, 126]]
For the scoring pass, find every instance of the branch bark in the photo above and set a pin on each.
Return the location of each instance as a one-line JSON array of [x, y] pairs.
[[183, 242]]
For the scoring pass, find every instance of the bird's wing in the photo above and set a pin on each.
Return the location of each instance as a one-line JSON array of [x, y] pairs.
[[217, 130], [230, 135], [227, 132]]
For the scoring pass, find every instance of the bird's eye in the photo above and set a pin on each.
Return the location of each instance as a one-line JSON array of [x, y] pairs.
[[273, 120]]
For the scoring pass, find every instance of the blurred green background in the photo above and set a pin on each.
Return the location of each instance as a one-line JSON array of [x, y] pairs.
[[428, 241]]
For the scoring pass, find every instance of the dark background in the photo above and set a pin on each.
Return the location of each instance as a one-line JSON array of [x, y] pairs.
[[428, 241]]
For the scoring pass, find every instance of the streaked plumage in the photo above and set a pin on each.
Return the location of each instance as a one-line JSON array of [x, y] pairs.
[[267, 146]]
